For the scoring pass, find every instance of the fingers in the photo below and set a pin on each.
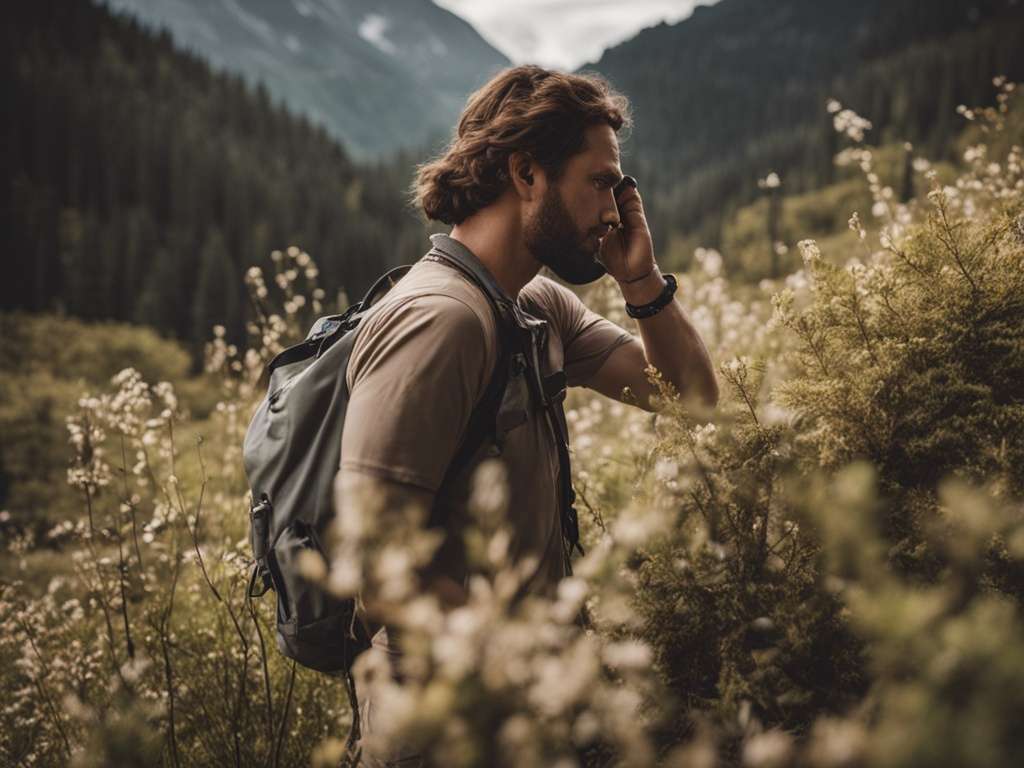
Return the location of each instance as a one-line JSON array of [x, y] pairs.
[[627, 197], [626, 181]]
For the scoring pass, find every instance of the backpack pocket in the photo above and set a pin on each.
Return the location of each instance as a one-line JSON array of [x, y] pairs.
[[314, 627]]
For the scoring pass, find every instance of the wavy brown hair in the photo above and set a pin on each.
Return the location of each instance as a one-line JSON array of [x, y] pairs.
[[528, 109]]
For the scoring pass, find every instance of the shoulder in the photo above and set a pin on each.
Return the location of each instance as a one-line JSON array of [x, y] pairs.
[[544, 298], [430, 316], [437, 294], [433, 287], [545, 294]]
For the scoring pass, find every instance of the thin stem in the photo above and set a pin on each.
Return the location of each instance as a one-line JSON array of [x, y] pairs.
[[193, 531], [593, 512], [855, 311], [804, 331], [41, 688], [128, 501], [122, 572], [909, 262], [165, 649], [284, 717], [950, 241], [100, 587], [243, 678], [746, 399], [266, 670], [762, 544]]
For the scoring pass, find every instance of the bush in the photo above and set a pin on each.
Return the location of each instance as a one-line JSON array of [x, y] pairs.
[[48, 363], [828, 573]]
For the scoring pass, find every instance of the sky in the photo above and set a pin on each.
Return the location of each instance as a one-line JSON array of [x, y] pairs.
[[564, 34]]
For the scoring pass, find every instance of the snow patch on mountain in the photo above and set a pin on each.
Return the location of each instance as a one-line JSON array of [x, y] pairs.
[[437, 47], [372, 30]]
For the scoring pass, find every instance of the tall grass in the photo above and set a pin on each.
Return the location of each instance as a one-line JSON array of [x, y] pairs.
[[828, 573]]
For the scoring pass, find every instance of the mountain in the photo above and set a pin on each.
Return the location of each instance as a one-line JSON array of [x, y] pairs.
[[138, 185], [378, 74], [739, 90]]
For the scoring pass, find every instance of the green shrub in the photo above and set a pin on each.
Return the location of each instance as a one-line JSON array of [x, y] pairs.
[[827, 573], [48, 364]]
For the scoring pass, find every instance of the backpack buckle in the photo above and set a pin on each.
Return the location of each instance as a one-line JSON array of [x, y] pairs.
[[262, 573], [512, 412], [554, 387], [572, 533], [259, 534], [259, 527]]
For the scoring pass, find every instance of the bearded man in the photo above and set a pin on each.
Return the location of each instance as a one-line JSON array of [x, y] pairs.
[[531, 179]]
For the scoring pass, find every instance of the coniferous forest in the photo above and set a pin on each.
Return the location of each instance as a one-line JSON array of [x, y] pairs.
[[140, 180], [139, 185], [824, 570], [739, 91]]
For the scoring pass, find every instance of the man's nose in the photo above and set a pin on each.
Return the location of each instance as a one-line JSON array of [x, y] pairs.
[[610, 215], [610, 220]]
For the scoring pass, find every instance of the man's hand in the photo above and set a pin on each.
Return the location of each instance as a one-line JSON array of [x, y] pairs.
[[668, 341], [628, 251]]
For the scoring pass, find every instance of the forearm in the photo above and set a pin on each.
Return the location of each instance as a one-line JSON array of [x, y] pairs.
[[672, 344]]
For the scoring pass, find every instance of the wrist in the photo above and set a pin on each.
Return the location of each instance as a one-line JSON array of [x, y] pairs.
[[645, 290]]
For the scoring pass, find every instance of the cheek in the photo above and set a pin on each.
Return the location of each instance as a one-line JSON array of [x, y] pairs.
[[586, 210]]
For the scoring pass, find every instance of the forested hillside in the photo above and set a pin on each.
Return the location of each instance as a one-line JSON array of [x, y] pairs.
[[739, 90], [379, 74], [139, 186]]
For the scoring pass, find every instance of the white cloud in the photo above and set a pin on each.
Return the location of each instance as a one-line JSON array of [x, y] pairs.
[[564, 34]]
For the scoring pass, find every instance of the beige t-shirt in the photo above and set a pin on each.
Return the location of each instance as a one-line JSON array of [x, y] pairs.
[[420, 364]]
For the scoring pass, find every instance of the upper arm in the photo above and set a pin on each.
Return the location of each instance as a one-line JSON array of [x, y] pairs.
[[415, 378], [597, 353]]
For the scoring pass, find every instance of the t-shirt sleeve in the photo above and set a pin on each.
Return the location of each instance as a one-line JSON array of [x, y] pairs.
[[415, 374], [587, 337]]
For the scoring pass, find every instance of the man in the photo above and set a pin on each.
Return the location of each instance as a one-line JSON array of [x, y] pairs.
[[526, 182]]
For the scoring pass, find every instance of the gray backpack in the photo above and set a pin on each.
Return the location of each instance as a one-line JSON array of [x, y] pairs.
[[292, 451]]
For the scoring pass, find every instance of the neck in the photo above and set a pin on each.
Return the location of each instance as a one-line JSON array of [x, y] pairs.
[[496, 239]]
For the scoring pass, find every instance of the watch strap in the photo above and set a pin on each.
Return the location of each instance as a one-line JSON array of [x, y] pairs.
[[650, 309]]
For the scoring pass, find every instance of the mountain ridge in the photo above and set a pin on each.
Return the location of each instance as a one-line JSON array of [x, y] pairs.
[[380, 76], [738, 89]]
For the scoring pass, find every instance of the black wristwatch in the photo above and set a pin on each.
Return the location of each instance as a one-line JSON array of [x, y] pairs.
[[649, 310]]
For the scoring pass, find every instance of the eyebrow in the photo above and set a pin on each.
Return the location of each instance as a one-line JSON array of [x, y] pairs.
[[611, 175]]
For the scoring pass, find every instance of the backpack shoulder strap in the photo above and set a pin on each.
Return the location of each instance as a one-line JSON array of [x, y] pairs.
[[484, 417], [451, 251], [448, 250]]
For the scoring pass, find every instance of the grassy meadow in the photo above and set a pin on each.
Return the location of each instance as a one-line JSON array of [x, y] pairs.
[[826, 571]]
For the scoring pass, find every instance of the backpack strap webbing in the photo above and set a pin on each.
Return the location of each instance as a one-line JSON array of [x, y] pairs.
[[449, 250], [484, 417], [464, 259]]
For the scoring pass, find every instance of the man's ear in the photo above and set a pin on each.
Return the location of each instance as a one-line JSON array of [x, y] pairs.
[[521, 172]]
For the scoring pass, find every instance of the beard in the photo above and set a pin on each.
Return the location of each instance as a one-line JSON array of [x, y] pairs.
[[552, 238]]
